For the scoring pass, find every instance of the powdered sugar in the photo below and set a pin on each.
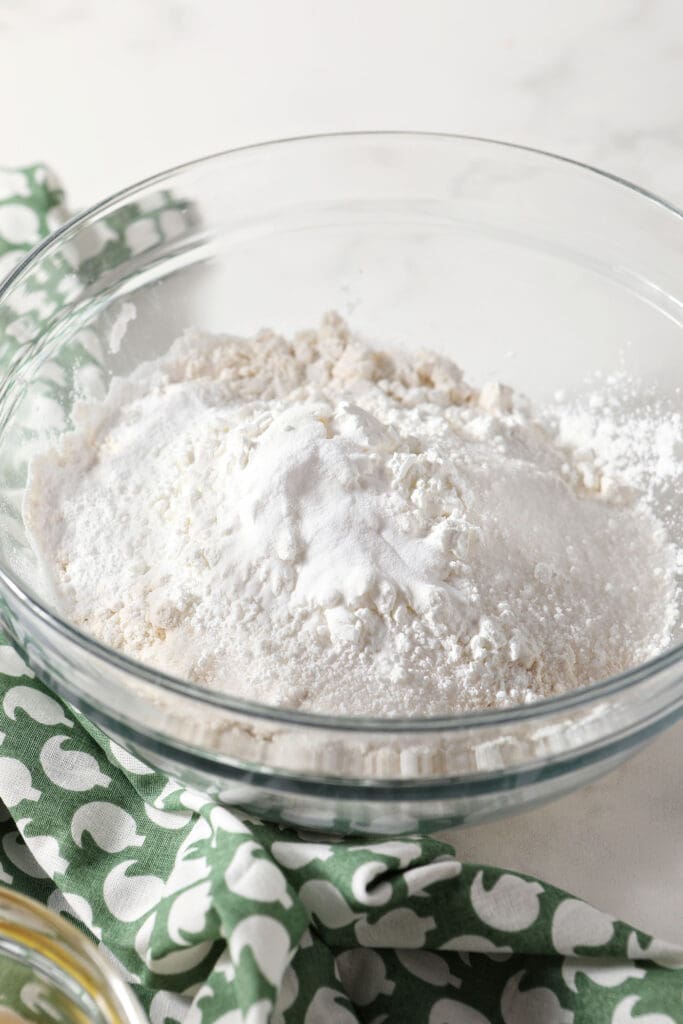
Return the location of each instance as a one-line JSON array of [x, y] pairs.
[[317, 524], [630, 436]]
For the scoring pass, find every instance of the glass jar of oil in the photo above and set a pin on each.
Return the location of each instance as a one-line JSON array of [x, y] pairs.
[[50, 971]]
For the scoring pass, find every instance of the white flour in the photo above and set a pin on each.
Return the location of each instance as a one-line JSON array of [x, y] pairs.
[[317, 524]]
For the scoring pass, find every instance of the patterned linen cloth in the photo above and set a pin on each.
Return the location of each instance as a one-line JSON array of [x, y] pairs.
[[217, 918]]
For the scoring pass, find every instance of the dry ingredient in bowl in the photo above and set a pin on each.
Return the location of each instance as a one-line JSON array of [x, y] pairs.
[[317, 524]]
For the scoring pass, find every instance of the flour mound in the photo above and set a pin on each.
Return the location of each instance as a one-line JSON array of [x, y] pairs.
[[316, 524]]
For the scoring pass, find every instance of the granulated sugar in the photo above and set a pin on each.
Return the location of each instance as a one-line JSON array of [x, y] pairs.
[[316, 524]]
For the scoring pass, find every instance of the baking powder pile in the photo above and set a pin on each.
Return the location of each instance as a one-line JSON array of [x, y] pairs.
[[317, 524]]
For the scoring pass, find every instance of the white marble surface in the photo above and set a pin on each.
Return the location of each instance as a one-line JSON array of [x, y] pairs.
[[108, 92]]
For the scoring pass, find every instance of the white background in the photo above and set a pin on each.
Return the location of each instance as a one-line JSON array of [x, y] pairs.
[[108, 91]]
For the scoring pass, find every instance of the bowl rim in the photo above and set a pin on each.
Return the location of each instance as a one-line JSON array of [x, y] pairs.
[[489, 717]]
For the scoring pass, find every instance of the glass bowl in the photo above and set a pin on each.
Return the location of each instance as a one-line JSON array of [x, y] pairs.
[[49, 971], [522, 266]]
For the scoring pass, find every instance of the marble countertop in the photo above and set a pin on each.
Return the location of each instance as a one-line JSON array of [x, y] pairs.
[[110, 92]]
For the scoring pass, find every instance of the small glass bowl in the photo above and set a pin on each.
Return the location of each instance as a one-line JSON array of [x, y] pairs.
[[521, 266], [49, 971]]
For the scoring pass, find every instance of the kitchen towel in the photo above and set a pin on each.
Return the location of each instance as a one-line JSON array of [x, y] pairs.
[[217, 918]]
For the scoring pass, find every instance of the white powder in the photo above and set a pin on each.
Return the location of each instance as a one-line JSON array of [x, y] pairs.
[[631, 435], [317, 524]]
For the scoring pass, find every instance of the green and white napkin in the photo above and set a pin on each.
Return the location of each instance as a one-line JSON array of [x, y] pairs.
[[217, 918]]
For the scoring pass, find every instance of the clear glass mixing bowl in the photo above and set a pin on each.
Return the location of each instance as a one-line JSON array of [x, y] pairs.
[[522, 266]]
